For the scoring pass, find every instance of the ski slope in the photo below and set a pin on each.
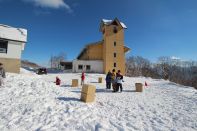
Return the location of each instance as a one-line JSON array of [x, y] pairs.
[[32, 102]]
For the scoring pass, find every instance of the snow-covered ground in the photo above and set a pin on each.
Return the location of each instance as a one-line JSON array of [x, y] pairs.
[[32, 102]]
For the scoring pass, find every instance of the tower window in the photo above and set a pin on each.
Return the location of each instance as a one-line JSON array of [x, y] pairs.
[[114, 64], [115, 30], [114, 54], [114, 43]]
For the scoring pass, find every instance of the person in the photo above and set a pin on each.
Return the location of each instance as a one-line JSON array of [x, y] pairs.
[[119, 78], [82, 78], [2, 74], [108, 80], [113, 79], [58, 81]]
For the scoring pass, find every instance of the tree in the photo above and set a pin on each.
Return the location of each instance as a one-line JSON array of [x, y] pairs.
[[137, 66], [175, 70], [55, 60]]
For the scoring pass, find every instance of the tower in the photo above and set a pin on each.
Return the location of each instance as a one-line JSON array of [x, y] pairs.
[[113, 45]]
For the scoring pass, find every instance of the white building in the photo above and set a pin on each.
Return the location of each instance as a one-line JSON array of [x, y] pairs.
[[12, 43], [91, 66]]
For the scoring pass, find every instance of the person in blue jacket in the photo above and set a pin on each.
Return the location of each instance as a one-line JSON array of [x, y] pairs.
[[108, 80]]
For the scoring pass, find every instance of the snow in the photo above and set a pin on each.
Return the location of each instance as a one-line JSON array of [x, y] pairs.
[[11, 33], [107, 22], [123, 25], [175, 58], [32, 102]]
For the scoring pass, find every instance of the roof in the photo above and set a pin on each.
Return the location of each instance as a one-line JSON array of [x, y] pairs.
[[108, 22], [85, 48], [12, 33], [65, 62], [126, 49]]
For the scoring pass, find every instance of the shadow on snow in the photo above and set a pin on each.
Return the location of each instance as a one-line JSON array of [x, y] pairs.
[[68, 99]]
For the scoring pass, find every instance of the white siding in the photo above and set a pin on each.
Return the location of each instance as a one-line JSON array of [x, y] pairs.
[[11, 33], [96, 66], [14, 50]]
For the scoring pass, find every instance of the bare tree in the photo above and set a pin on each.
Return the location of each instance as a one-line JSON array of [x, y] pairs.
[[55, 60], [175, 70], [137, 66]]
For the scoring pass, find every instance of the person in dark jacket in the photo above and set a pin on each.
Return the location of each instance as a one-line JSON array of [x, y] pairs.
[[2, 74], [119, 80], [108, 80]]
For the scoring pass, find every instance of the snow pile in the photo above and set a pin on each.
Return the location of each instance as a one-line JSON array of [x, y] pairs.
[[32, 102], [25, 71]]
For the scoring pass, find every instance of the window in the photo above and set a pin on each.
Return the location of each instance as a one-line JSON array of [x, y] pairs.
[[114, 54], [114, 43], [88, 67], [80, 67], [115, 30], [3, 46], [114, 64]]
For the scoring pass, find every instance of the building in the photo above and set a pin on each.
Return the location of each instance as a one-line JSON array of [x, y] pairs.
[[104, 55], [12, 43]]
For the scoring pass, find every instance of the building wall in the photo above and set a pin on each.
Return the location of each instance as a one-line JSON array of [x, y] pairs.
[[93, 52], [11, 65], [11, 59], [109, 49], [96, 66], [14, 50]]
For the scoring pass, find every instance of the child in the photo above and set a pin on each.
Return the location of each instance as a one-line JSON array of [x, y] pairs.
[[119, 78], [58, 81], [2, 74], [82, 78], [108, 80]]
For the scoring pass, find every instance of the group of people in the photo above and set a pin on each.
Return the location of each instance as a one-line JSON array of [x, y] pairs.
[[2, 74], [114, 79]]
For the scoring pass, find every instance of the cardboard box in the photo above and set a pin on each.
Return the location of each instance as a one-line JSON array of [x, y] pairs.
[[75, 83], [87, 97], [139, 87], [88, 89], [100, 79]]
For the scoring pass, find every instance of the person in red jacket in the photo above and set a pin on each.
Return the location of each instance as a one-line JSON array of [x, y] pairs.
[[58, 81], [82, 78]]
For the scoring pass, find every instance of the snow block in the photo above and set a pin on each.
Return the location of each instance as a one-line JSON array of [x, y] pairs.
[[88, 89], [100, 80], [87, 98], [88, 93], [139, 87], [75, 83]]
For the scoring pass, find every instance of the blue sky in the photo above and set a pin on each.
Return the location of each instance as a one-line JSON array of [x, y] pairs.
[[155, 27]]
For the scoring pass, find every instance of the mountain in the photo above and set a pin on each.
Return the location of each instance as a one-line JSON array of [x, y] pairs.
[[28, 64]]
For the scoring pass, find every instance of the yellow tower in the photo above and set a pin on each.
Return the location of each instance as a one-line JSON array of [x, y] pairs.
[[113, 45]]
